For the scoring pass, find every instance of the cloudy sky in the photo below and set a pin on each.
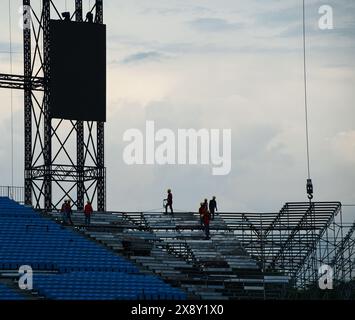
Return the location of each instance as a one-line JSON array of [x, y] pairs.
[[219, 64]]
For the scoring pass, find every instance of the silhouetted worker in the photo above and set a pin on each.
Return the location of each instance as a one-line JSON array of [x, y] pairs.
[[201, 212], [205, 204], [169, 202], [63, 210], [69, 212], [88, 212], [213, 207], [206, 223]]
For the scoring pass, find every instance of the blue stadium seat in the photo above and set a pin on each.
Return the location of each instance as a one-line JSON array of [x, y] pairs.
[[7, 294], [85, 269]]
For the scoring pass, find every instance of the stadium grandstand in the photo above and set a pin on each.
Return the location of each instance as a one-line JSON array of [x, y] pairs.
[[151, 256], [66, 264], [287, 254]]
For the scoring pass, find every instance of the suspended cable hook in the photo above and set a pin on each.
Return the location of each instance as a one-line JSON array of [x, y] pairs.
[[309, 189], [309, 185]]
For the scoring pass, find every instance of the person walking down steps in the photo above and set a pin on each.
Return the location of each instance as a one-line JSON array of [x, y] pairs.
[[88, 212], [63, 211], [169, 202], [206, 223], [201, 212], [69, 211]]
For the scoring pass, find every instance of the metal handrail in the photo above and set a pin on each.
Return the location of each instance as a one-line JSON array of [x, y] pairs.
[[14, 193]]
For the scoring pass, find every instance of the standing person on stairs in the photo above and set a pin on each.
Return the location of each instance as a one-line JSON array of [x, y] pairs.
[[63, 210], [213, 207], [201, 212], [69, 211], [169, 202], [206, 223], [88, 212]]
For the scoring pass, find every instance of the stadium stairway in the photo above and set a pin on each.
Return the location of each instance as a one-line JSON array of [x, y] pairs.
[[67, 265], [174, 248]]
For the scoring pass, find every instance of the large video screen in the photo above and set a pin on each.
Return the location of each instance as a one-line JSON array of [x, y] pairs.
[[77, 71]]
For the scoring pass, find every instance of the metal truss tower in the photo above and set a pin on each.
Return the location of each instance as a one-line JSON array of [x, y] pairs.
[[63, 158]]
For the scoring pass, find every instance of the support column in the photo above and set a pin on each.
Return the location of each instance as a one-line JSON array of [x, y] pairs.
[[80, 132], [101, 183], [47, 117], [27, 100]]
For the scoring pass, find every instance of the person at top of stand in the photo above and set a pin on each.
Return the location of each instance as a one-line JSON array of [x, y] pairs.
[[213, 207], [205, 204], [169, 202]]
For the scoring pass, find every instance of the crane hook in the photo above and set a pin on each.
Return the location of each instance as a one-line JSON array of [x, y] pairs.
[[309, 189]]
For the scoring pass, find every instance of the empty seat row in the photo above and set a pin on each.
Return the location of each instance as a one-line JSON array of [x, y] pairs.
[[107, 285], [78, 268], [7, 293]]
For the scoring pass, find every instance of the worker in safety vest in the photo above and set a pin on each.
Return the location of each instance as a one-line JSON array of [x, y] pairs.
[[88, 212]]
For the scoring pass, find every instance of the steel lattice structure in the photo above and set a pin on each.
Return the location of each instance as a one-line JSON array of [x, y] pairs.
[[298, 240], [343, 261], [63, 159]]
